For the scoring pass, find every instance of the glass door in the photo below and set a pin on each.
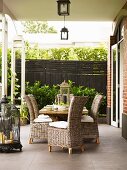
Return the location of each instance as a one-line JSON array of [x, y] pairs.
[[114, 86]]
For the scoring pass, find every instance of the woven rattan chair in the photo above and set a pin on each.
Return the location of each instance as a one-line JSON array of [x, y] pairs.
[[90, 125], [38, 129], [34, 104], [68, 134], [30, 108]]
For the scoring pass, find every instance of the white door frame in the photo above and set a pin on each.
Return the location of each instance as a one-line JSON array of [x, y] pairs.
[[119, 84], [114, 122]]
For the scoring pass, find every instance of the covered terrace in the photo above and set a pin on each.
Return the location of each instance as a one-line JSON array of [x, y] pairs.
[[111, 153]]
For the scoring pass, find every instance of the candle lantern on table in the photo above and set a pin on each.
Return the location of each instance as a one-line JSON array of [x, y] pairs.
[[9, 126], [64, 95]]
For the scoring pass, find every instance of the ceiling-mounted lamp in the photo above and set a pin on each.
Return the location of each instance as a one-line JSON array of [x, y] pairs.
[[64, 32], [63, 7]]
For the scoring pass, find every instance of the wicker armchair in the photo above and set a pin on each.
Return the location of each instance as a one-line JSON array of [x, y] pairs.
[[90, 124], [68, 134], [38, 128]]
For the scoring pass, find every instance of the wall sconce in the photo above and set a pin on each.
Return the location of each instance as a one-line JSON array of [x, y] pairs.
[[63, 7], [64, 32]]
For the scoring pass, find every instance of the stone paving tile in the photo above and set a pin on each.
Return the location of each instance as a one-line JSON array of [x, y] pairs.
[[110, 154]]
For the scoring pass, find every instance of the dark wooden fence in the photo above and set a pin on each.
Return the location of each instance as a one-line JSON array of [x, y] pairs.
[[85, 73]]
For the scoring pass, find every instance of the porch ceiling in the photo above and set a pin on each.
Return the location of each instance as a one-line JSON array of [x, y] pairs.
[[46, 10]]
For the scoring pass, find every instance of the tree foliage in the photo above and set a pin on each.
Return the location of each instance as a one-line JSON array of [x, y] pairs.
[[37, 27], [72, 53]]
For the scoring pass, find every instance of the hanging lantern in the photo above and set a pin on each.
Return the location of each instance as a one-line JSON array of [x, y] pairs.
[[64, 33], [63, 7]]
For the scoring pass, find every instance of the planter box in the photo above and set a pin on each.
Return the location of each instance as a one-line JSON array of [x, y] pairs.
[[102, 120]]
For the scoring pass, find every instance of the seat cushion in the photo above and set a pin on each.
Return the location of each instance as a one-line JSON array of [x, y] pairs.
[[59, 124], [41, 120], [42, 116], [86, 118]]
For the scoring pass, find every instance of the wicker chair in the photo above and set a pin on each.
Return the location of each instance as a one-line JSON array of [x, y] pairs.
[[34, 104], [90, 125], [68, 134], [30, 108], [38, 130]]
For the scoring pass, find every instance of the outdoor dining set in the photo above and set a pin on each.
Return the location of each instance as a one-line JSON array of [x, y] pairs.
[[66, 123], [79, 125]]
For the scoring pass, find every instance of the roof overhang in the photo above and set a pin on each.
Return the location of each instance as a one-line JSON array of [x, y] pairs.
[[46, 10]]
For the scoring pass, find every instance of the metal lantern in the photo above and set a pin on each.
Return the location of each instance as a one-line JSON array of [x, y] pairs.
[[4, 102], [63, 7], [9, 126], [64, 95], [64, 33]]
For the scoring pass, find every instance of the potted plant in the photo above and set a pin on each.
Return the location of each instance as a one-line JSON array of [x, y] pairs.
[[24, 115]]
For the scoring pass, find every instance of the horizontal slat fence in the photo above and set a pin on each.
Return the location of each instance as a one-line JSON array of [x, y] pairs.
[[85, 73]]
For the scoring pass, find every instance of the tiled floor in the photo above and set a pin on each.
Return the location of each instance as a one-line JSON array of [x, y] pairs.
[[110, 154]]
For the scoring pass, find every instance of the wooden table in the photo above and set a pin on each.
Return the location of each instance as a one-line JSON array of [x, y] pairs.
[[57, 114]]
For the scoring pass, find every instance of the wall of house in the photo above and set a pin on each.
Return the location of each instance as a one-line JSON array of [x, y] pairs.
[[124, 116], [114, 40], [125, 66]]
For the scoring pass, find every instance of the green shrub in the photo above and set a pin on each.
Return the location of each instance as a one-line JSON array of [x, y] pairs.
[[84, 91], [45, 95]]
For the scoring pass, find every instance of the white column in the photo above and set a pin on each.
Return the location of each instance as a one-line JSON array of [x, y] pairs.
[[4, 54], [18, 43], [23, 71], [13, 73]]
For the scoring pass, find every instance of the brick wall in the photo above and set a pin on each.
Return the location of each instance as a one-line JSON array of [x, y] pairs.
[[125, 68], [112, 42], [109, 80]]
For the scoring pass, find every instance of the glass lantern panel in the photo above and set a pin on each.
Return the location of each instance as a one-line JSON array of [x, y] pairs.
[[9, 124], [63, 8], [64, 90]]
